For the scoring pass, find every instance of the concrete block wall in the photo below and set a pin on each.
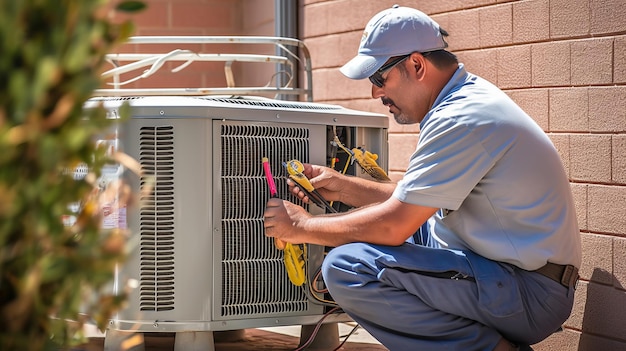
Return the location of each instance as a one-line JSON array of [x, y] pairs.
[[563, 62]]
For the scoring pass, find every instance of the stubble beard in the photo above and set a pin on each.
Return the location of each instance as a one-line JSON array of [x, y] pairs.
[[401, 118]]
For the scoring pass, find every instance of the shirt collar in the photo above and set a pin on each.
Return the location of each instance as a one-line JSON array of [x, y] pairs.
[[456, 81]]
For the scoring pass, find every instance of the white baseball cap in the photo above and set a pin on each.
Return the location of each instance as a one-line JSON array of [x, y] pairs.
[[393, 32]]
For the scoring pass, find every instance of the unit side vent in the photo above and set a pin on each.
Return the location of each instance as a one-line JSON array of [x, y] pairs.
[[156, 155], [254, 279], [273, 103]]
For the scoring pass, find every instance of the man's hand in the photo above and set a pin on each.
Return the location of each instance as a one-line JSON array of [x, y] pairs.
[[284, 220], [334, 186], [326, 181]]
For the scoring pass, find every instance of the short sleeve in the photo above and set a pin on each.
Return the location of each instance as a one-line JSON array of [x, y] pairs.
[[449, 161]]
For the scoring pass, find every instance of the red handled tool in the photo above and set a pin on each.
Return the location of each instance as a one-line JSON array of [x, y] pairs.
[[273, 193]]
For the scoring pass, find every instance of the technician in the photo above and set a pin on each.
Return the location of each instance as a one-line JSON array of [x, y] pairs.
[[477, 247]]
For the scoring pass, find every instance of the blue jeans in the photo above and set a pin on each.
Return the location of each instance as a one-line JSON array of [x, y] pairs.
[[415, 297]]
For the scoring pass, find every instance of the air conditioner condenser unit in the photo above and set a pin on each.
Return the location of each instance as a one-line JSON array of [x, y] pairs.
[[200, 259]]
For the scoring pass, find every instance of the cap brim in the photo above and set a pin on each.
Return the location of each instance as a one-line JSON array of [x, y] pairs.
[[362, 66]]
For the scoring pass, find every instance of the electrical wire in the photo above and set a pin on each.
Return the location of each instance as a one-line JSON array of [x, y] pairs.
[[318, 274], [347, 336], [348, 152], [317, 328], [319, 325], [310, 291]]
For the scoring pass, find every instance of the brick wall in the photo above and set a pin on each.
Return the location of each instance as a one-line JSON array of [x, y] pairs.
[[208, 18], [564, 62]]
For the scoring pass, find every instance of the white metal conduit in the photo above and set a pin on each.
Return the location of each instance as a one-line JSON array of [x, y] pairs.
[[293, 49]]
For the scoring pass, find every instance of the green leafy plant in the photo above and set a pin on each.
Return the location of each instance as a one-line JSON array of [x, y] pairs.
[[52, 274]]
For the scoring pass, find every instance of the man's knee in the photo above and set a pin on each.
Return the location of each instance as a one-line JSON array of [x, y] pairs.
[[340, 268], [335, 266]]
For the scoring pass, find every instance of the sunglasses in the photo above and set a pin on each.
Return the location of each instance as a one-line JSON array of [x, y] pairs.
[[377, 78]]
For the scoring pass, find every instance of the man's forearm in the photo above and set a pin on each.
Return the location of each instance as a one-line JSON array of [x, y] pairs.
[[362, 192], [388, 222]]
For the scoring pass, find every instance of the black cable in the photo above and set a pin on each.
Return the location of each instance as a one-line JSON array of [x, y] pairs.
[[347, 336], [317, 328]]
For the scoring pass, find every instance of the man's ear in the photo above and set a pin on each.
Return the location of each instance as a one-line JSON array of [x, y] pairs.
[[418, 65]]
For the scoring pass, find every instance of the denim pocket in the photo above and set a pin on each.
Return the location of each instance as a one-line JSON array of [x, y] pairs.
[[498, 291]]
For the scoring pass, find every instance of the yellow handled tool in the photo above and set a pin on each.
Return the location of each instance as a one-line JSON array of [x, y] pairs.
[[295, 169], [367, 161], [294, 263]]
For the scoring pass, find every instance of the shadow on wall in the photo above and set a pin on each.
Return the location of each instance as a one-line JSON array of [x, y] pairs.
[[603, 324]]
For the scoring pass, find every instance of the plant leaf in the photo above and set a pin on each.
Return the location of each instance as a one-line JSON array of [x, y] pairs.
[[130, 6]]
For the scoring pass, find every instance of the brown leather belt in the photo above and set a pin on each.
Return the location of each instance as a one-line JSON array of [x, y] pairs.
[[566, 275]]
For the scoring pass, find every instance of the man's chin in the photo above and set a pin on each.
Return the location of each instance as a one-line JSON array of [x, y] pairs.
[[401, 119]]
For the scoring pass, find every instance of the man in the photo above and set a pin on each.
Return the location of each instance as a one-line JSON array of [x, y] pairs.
[[477, 247]]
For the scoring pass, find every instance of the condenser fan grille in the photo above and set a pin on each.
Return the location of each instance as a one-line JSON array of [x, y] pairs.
[[156, 155], [254, 279]]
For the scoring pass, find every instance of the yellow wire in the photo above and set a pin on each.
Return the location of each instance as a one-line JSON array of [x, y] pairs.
[[346, 150]]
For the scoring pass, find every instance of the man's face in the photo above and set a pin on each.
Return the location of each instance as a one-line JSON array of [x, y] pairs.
[[397, 86]]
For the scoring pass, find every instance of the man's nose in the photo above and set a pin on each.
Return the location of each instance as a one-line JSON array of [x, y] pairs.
[[377, 92]]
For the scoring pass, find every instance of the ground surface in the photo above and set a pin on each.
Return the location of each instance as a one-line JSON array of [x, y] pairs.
[[262, 339]]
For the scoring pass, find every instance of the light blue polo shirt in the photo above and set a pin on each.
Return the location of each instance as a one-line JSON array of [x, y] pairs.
[[496, 175]]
